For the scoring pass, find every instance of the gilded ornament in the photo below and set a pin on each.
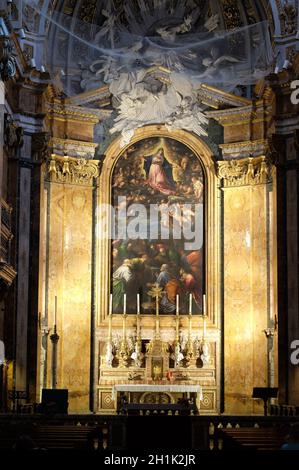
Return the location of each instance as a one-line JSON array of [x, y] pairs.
[[72, 171], [245, 172]]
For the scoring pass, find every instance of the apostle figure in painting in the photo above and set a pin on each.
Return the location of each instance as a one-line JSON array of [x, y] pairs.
[[121, 277], [164, 276], [159, 173], [191, 285], [161, 258], [171, 290], [142, 273], [192, 262]]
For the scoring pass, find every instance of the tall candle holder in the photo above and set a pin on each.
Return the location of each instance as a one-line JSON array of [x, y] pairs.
[[205, 347], [137, 355], [123, 354], [177, 320], [189, 346], [54, 339], [178, 356], [123, 350], [157, 292], [109, 346]]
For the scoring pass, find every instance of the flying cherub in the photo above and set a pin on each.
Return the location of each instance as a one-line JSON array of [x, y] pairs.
[[212, 22], [169, 34], [214, 64]]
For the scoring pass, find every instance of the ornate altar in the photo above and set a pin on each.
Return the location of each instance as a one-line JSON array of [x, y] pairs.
[[155, 372], [166, 398]]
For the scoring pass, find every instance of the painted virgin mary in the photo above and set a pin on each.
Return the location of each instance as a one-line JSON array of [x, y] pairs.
[[159, 173]]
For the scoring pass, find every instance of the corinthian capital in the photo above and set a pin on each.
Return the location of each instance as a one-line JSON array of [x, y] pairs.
[[70, 170], [245, 172]]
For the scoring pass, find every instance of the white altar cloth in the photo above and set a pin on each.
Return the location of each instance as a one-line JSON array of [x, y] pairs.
[[156, 388]]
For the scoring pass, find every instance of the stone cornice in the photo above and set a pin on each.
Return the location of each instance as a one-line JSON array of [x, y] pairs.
[[258, 112], [64, 111], [254, 148], [230, 116], [216, 98], [72, 148], [99, 95]]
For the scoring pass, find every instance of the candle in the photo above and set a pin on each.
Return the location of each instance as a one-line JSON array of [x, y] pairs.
[[55, 311], [110, 304], [204, 304], [177, 304], [138, 304], [125, 304], [190, 304]]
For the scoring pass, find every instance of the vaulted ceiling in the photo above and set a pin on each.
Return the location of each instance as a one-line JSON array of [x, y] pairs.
[[54, 47], [233, 13]]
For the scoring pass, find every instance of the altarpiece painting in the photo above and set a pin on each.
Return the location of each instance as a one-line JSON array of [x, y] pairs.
[[161, 180]]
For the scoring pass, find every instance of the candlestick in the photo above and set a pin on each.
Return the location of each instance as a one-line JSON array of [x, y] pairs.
[[110, 327], [124, 325], [138, 326], [125, 304], [157, 317], [54, 339], [138, 316], [190, 304], [138, 304], [204, 304], [190, 324], [55, 312], [204, 327], [177, 329]]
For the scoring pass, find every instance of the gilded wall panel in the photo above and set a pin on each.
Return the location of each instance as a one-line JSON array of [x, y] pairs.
[[70, 235], [246, 288]]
